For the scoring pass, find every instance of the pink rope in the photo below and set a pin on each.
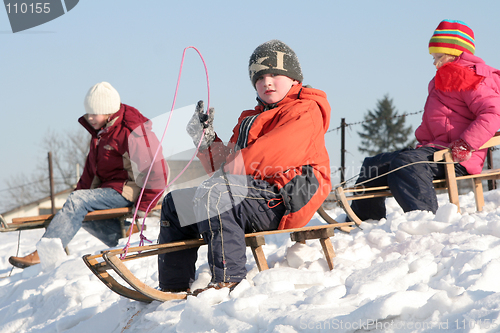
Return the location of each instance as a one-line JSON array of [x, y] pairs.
[[142, 237]]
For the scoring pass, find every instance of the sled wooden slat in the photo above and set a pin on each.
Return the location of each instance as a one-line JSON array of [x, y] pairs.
[[42, 221], [344, 195], [99, 264]]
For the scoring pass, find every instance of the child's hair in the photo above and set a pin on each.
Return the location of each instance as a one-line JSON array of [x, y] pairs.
[[274, 57], [445, 59], [452, 37]]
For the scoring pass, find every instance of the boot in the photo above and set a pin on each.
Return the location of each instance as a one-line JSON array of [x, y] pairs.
[[216, 285], [175, 290], [27, 261]]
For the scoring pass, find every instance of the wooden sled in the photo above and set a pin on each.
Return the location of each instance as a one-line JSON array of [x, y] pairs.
[[100, 264], [43, 221]]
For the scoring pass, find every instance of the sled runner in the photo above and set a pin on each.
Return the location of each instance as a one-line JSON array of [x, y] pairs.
[[344, 195], [100, 264]]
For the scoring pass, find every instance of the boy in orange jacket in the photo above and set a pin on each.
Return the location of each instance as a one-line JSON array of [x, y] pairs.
[[273, 174]]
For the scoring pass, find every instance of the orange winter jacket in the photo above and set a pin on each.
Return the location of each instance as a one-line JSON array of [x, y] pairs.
[[285, 146]]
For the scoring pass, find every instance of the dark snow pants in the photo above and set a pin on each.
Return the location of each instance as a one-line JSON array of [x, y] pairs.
[[411, 186], [222, 210]]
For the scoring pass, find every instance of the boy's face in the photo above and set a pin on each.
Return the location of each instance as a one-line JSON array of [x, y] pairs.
[[272, 88], [97, 121]]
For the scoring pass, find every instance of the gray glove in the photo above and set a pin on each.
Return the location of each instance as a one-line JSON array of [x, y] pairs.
[[201, 121]]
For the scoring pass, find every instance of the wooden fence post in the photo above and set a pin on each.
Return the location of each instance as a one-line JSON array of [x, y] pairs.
[[492, 184], [51, 180], [342, 150]]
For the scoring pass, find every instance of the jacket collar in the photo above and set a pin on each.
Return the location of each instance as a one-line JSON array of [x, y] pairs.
[[293, 94], [113, 120]]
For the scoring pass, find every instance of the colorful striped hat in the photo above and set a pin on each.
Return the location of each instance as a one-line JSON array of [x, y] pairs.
[[452, 37]]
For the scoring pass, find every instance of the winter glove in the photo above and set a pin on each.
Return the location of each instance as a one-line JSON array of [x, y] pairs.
[[141, 214], [199, 122], [460, 150]]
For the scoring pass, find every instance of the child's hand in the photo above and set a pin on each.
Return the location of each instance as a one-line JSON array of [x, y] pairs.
[[141, 214], [460, 150], [200, 123]]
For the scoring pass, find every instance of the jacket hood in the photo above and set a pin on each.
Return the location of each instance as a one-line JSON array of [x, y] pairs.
[[479, 65], [469, 59], [318, 96]]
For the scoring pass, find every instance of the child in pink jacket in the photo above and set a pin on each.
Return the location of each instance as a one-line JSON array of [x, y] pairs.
[[462, 112]]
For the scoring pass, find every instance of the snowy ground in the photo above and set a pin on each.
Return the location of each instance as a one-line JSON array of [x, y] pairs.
[[413, 272]]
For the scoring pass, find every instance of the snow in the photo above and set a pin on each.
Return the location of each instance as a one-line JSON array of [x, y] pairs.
[[413, 272]]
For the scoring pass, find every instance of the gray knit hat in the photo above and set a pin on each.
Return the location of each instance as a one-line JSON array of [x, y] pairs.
[[274, 57], [102, 98]]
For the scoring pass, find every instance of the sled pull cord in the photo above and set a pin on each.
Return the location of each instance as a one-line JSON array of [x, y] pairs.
[[142, 237]]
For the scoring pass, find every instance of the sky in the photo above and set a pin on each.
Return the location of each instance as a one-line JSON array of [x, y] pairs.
[[355, 51]]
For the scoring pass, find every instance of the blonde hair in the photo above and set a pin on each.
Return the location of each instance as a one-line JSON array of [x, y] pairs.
[[446, 58]]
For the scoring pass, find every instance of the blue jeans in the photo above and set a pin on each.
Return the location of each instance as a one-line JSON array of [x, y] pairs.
[[69, 219]]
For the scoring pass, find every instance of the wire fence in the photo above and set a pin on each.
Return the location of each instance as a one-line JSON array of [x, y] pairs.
[[62, 181], [41, 181], [373, 120], [344, 125]]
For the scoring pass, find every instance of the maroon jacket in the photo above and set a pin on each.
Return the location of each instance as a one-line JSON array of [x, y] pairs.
[[120, 157]]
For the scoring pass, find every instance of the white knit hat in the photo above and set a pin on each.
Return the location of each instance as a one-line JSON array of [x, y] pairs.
[[102, 98]]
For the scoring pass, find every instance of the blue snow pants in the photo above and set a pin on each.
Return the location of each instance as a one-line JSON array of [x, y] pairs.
[[221, 210], [411, 186]]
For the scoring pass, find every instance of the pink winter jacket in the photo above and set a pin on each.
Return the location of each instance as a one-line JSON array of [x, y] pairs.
[[463, 102]]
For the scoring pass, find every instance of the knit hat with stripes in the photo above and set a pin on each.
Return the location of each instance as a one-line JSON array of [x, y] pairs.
[[274, 57], [452, 37]]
